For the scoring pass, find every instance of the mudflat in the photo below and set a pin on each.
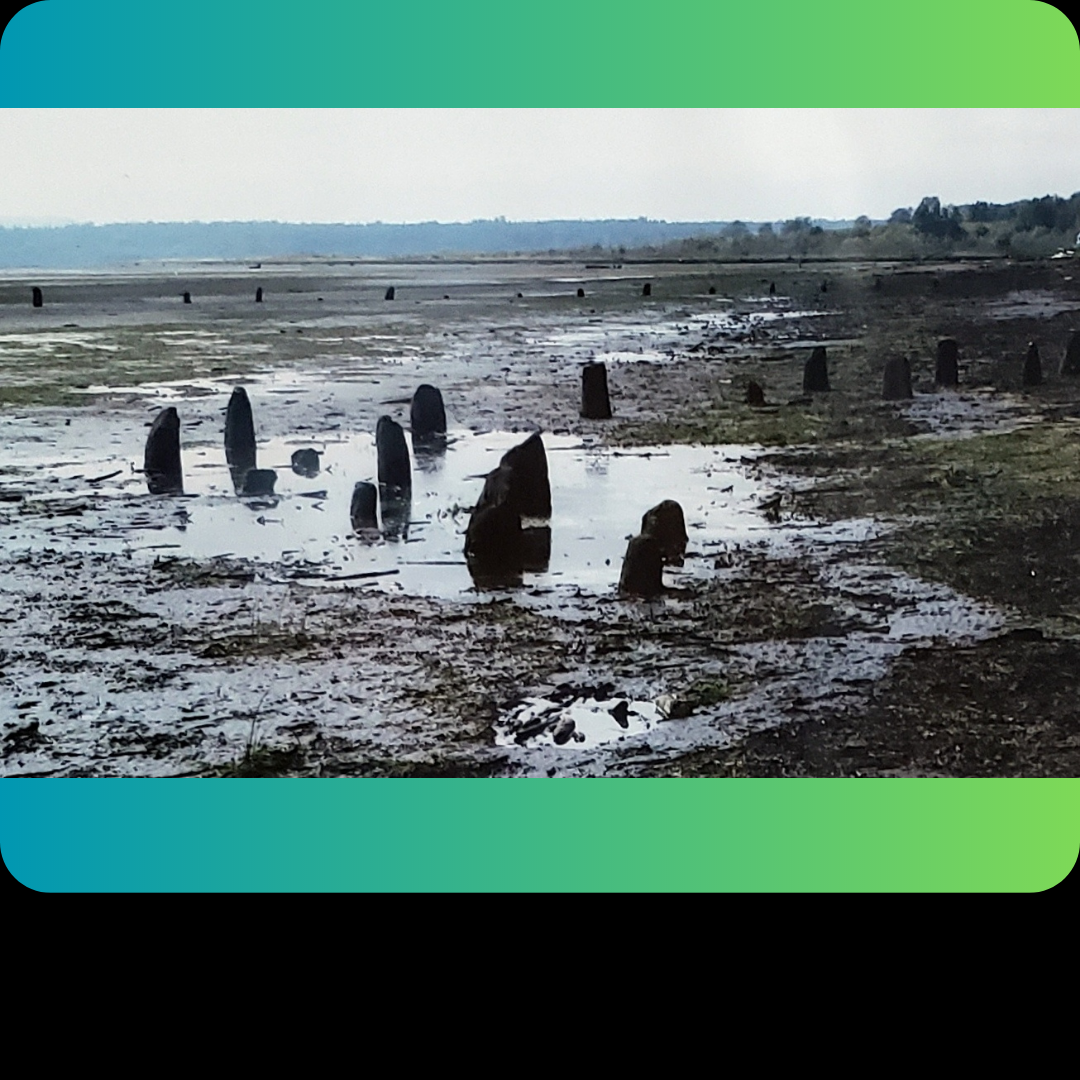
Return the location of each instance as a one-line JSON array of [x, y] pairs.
[[870, 587]]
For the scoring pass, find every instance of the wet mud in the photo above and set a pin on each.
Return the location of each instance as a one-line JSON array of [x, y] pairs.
[[868, 587]]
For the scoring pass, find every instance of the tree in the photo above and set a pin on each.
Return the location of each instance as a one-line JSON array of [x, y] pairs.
[[900, 216], [930, 220]]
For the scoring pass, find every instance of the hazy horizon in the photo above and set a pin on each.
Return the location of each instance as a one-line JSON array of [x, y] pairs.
[[454, 166]]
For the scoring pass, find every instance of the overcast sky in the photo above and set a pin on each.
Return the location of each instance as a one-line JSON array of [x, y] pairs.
[[398, 165]]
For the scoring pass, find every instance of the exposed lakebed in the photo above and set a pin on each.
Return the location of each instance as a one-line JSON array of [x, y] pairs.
[[147, 635]]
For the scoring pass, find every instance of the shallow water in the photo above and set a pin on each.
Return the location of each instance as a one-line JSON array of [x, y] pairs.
[[599, 496], [647, 338]]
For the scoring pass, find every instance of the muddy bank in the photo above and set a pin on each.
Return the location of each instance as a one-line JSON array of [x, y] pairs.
[[846, 554]]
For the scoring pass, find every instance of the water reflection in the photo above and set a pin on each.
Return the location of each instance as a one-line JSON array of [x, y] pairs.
[[536, 548], [395, 505], [429, 452]]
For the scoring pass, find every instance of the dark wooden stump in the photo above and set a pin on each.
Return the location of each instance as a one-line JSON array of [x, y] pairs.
[[595, 403], [239, 432], [259, 482], [395, 471], [530, 489], [306, 462], [1032, 366], [666, 524], [816, 373], [897, 381], [643, 568], [947, 371], [161, 461], [494, 541], [364, 505], [427, 415]]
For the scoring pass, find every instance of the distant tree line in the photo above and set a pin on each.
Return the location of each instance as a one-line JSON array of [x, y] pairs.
[[1028, 228]]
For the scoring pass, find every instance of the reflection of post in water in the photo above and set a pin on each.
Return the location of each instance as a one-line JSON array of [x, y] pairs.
[[429, 453], [494, 577], [396, 506], [536, 548], [596, 460]]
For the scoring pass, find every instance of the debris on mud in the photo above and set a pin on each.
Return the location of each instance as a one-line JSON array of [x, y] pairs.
[[860, 587]]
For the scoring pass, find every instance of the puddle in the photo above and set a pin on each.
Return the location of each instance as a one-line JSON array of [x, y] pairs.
[[581, 724], [651, 340], [303, 530], [127, 675], [1031, 304], [874, 614], [30, 344]]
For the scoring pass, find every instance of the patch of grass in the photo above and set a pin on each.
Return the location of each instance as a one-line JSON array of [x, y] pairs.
[[260, 642], [432, 768], [706, 692], [262, 763], [49, 396], [785, 426]]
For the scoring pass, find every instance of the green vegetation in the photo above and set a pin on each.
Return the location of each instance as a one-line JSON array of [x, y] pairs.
[[1030, 228]]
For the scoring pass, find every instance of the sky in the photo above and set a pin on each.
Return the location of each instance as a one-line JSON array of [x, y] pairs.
[[406, 165]]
